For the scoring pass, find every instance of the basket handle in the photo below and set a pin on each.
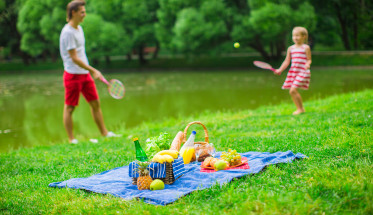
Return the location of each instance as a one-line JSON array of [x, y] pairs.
[[196, 122]]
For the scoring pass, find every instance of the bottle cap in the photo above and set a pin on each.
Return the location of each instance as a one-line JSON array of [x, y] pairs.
[[136, 138], [194, 132]]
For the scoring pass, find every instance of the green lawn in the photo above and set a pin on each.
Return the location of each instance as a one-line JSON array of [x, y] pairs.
[[336, 133]]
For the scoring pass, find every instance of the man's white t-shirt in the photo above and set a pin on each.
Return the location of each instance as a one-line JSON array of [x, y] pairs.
[[72, 38]]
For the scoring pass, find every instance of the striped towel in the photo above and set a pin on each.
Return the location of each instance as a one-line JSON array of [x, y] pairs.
[[157, 170]]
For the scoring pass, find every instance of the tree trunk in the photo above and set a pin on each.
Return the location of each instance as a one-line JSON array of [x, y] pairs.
[[54, 57], [271, 48], [25, 58], [260, 48], [343, 24], [155, 54], [355, 29], [107, 59], [280, 47], [141, 55], [129, 56]]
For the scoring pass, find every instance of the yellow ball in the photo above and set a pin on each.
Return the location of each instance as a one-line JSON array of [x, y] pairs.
[[236, 45]]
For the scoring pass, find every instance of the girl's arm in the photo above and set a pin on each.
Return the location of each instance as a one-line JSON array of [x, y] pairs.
[[285, 64], [309, 60]]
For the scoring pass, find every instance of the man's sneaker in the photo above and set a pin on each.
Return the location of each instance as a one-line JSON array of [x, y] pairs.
[[112, 134], [74, 141], [93, 140]]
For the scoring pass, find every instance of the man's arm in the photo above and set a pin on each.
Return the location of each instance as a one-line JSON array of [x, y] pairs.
[[94, 72]]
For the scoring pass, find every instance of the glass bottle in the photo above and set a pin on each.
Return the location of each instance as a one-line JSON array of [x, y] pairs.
[[140, 154]]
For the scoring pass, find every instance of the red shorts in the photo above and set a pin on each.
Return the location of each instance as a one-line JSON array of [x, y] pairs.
[[76, 83]]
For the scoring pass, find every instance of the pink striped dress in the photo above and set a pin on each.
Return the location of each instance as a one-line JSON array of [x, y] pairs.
[[297, 76]]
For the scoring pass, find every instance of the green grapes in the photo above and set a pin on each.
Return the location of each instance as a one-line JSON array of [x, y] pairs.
[[232, 157]]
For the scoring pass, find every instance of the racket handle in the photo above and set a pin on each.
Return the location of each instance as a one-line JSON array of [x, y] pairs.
[[104, 80]]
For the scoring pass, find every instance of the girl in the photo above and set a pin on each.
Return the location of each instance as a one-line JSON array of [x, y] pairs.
[[299, 73]]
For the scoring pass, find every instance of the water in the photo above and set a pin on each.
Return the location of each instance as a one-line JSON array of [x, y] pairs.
[[31, 104]]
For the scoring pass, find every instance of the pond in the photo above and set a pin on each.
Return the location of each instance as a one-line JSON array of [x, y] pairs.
[[31, 104]]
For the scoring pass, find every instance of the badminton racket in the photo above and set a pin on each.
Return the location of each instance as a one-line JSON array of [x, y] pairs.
[[264, 65], [115, 88]]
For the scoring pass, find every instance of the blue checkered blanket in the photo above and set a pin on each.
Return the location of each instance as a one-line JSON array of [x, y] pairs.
[[118, 182]]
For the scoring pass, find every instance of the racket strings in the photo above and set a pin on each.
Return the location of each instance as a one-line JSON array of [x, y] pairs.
[[262, 65], [116, 89]]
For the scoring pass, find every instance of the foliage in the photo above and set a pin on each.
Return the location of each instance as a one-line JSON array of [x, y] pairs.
[[191, 27], [9, 39], [344, 21], [157, 143], [335, 134], [204, 25]]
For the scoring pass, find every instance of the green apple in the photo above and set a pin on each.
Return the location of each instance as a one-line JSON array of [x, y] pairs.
[[157, 185], [220, 165]]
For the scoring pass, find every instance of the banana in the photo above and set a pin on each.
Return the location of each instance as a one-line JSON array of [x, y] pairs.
[[168, 158], [172, 153], [158, 159]]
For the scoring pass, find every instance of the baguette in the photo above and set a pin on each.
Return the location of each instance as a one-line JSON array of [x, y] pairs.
[[176, 143]]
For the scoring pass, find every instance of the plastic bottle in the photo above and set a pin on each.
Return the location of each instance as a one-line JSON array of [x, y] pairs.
[[140, 154], [188, 143]]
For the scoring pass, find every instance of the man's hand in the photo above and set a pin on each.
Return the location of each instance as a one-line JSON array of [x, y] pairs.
[[96, 74]]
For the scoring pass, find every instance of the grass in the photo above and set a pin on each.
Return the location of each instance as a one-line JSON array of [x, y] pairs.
[[335, 133]]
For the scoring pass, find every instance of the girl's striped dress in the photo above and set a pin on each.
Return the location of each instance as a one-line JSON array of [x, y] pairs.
[[297, 76]]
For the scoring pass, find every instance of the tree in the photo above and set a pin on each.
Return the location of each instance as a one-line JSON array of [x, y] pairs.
[[353, 17], [29, 17], [40, 24], [113, 38], [138, 19], [264, 25], [104, 39], [10, 37]]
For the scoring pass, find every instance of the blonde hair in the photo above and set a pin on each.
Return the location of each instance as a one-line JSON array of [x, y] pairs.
[[303, 31], [73, 6]]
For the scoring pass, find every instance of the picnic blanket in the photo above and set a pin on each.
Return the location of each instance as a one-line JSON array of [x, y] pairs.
[[118, 183]]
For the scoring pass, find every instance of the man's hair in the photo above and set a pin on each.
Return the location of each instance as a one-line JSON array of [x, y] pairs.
[[73, 6], [303, 31]]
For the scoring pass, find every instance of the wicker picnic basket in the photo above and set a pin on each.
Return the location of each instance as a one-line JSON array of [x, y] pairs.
[[169, 175], [169, 170], [205, 153]]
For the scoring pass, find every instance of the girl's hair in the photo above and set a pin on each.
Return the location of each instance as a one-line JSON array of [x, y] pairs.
[[73, 6], [303, 31]]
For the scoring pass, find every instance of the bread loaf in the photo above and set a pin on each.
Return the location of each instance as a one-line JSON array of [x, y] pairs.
[[178, 140]]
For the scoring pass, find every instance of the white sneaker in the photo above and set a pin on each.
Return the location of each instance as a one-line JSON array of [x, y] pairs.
[[74, 141], [93, 140], [112, 134]]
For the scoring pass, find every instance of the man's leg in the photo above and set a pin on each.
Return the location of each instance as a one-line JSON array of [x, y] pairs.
[[98, 117], [297, 100], [68, 120]]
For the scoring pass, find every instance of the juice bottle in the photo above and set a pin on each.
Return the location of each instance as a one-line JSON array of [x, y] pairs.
[[188, 143], [188, 154]]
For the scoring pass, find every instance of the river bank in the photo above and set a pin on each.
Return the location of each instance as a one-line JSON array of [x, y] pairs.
[[335, 133]]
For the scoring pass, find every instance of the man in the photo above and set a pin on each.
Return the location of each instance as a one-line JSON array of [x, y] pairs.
[[78, 73]]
